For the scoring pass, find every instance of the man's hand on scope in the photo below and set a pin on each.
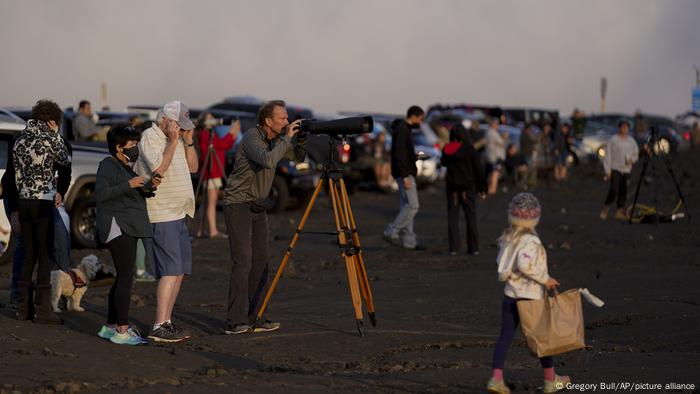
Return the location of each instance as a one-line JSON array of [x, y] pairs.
[[293, 128]]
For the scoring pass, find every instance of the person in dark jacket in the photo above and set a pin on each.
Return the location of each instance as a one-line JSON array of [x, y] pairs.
[[403, 168], [122, 218], [465, 179]]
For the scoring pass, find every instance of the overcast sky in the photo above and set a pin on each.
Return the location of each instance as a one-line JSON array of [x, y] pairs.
[[374, 55]]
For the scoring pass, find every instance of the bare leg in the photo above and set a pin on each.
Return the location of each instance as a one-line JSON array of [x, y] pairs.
[[212, 197], [173, 295], [493, 182], [165, 299]]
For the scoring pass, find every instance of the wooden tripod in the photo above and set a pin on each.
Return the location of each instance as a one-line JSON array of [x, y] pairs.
[[348, 241]]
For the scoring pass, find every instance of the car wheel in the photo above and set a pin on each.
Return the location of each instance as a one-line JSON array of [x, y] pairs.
[[6, 257], [83, 218], [279, 194]]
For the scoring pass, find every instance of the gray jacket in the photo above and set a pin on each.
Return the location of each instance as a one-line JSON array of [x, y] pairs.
[[84, 126], [116, 199], [256, 161]]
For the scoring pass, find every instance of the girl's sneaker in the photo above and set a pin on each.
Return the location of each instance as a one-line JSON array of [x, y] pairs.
[[497, 387], [131, 337], [106, 332], [559, 383]]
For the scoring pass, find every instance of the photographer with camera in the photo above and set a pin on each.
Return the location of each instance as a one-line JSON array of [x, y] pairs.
[[122, 219], [245, 204]]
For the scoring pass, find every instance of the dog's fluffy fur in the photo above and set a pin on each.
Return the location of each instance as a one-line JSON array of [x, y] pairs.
[[62, 284]]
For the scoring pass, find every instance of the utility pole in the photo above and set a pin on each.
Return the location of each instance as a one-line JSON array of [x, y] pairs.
[[103, 95], [603, 91]]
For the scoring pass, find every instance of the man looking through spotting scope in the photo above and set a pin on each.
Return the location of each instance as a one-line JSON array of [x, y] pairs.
[[245, 204]]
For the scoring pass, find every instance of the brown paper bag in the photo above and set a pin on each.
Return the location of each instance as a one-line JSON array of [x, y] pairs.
[[553, 325]]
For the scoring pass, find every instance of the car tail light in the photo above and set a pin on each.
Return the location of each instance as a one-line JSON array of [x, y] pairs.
[[686, 136], [345, 153], [436, 146]]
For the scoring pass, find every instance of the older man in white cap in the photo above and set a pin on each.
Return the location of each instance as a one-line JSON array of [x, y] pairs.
[[167, 150]]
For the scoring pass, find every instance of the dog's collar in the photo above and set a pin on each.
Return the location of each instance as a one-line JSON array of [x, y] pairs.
[[77, 281]]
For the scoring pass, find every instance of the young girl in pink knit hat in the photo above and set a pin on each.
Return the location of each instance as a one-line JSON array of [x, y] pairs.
[[522, 265]]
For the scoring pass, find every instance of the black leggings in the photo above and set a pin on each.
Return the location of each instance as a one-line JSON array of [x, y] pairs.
[[36, 222], [123, 249]]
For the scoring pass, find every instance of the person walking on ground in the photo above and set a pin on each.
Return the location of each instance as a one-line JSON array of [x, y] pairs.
[[122, 219], [168, 149], [37, 151], [465, 179], [495, 155], [522, 265], [214, 173], [622, 153], [403, 169], [245, 212]]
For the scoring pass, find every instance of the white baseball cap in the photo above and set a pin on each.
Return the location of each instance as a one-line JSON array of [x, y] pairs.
[[177, 111]]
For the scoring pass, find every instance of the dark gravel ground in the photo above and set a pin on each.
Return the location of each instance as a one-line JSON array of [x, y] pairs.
[[438, 315]]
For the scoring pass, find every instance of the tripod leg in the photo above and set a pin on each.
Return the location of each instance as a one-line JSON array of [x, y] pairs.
[[292, 244], [639, 185], [340, 222], [669, 168], [359, 258]]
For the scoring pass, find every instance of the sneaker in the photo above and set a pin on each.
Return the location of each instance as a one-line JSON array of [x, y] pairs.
[[474, 253], [165, 334], [452, 253], [238, 329], [132, 336], [604, 213], [106, 332], [266, 326], [497, 387], [559, 383], [391, 240], [178, 330], [145, 277]]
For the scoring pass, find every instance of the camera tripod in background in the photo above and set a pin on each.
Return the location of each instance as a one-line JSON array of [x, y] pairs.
[[640, 213], [348, 241]]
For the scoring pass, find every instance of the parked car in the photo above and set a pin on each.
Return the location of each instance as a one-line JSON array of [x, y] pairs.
[[356, 157], [252, 104], [535, 116], [8, 129]]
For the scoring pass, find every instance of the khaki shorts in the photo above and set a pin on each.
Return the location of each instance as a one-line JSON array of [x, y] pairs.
[[214, 183]]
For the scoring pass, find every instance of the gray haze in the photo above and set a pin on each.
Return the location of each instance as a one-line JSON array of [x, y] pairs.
[[353, 55]]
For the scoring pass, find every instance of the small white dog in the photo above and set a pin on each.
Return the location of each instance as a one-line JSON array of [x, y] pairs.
[[73, 284]]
